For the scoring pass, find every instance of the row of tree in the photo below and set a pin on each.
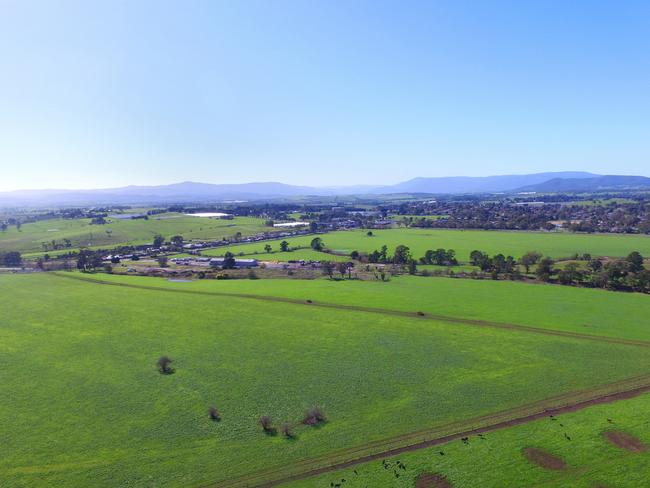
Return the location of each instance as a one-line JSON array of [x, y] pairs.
[[618, 274]]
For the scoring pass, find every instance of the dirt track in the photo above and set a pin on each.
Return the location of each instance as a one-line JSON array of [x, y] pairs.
[[383, 311]]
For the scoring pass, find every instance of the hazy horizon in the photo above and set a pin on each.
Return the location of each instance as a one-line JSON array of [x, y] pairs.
[[330, 94]]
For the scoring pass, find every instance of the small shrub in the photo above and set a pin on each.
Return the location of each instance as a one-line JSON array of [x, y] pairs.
[[164, 365], [252, 275], [421, 314], [266, 423], [287, 430], [214, 414], [314, 416]]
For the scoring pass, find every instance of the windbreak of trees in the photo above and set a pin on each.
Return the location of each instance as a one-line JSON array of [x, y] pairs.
[[618, 274]]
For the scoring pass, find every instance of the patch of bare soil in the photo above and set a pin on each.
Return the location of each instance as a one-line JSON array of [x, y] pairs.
[[544, 459], [624, 440], [431, 480]]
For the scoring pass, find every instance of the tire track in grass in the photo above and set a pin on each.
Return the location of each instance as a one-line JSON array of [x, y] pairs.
[[345, 458], [382, 311]]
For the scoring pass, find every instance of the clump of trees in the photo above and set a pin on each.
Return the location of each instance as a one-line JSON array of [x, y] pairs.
[[164, 365], [441, 257], [619, 274], [496, 265], [12, 259], [88, 260]]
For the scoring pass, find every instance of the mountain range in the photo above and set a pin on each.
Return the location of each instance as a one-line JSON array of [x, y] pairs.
[[568, 181]]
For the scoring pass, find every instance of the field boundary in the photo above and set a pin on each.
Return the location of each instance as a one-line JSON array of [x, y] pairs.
[[336, 460], [382, 311]]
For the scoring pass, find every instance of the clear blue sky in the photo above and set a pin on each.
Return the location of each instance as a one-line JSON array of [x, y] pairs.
[[110, 93]]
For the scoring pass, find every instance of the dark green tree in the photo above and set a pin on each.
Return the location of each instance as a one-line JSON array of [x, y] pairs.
[[636, 261], [228, 261], [317, 244]]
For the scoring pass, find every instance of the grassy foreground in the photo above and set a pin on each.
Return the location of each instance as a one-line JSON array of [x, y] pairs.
[[87, 406]]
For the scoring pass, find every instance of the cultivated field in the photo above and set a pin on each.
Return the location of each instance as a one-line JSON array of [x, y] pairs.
[[30, 238], [89, 408], [554, 244]]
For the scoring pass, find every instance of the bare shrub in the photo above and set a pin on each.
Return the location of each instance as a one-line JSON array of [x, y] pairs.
[[287, 430], [314, 416], [164, 365], [266, 423], [214, 414]]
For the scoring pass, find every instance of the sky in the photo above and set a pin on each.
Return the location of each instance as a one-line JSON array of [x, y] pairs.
[[112, 93]]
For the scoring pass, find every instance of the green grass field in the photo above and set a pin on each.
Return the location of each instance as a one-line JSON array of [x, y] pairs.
[[80, 232], [87, 406], [555, 244], [307, 254], [582, 310], [497, 460]]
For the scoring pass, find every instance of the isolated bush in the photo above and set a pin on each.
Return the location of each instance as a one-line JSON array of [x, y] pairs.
[[266, 423], [214, 414], [164, 365], [287, 430], [314, 416]]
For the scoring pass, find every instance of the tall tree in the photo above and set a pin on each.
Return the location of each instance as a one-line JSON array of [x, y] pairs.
[[12, 259], [636, 261], [317, 244], [228, 261]]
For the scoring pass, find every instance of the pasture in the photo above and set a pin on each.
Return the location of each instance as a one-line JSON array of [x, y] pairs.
[[554, 244], [496, 459], [580, 310], [81, 233], [87, 406]]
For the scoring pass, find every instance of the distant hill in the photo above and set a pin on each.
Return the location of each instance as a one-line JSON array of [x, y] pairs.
[[482, 184], [608, 182], [175, 193], [188, 191]]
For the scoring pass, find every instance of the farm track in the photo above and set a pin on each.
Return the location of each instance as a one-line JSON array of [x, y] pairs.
[[334, 461], [383, 311]]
